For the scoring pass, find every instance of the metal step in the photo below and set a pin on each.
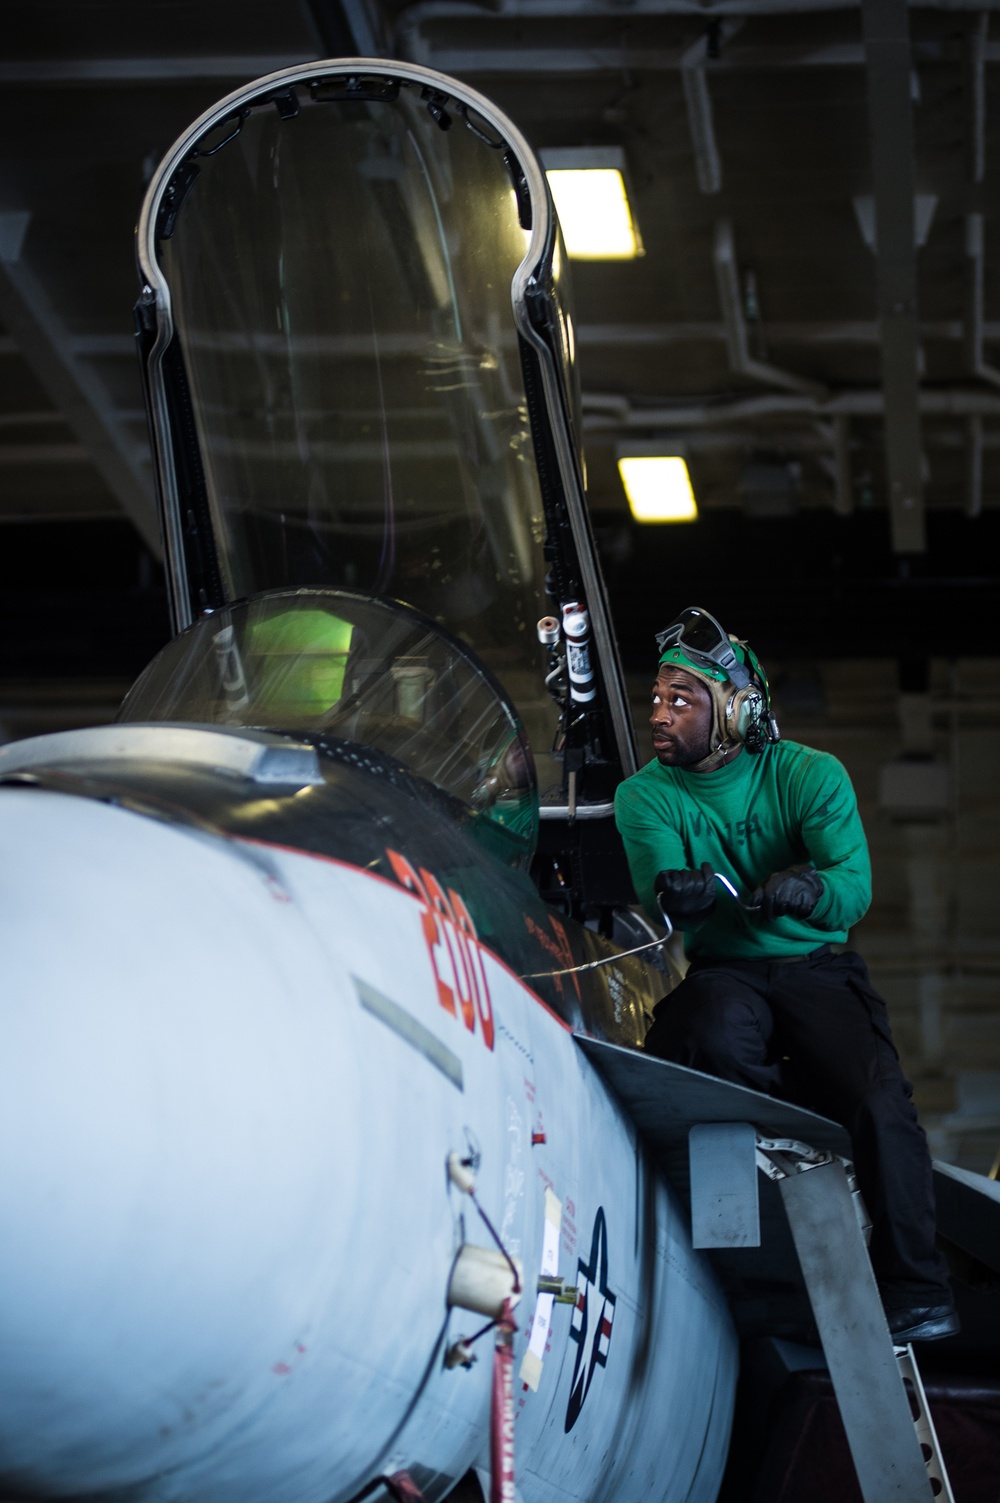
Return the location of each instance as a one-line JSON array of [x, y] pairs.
[[732, 1133]]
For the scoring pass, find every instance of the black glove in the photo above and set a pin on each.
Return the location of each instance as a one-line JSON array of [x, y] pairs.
[[686, 896], [794, 892]]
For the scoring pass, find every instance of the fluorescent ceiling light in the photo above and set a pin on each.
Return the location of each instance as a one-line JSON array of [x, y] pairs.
[[658, 488], [588, 186], [594, 213]]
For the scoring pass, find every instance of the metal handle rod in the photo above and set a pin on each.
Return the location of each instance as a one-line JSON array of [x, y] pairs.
[[750, 907], [590, 965]]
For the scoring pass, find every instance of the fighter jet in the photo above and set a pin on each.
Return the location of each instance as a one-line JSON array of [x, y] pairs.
[[309, 1193]]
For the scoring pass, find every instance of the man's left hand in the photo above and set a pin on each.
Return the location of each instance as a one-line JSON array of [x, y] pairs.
[[793, 893]]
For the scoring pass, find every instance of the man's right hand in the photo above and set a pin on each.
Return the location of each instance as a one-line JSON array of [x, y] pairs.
[[686, 896]]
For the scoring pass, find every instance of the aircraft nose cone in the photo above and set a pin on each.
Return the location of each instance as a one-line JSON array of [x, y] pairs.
[[178, 1135]]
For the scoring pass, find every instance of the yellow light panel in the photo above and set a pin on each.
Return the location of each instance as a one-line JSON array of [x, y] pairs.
[[593, 210], [658, 489]]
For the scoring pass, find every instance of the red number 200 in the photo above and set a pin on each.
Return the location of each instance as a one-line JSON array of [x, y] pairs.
[[453, 946]]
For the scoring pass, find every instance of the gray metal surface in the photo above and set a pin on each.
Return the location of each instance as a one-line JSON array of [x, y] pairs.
[[240, 752], [924, 1426], [763, 1284], [811, 1210], [855, 1337], [968, 1212], [725, 1205], [665, 1100]]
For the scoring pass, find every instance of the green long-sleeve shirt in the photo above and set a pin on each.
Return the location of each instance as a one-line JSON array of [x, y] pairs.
[[762, 813]]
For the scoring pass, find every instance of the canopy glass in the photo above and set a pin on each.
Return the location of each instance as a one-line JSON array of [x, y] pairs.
[[338, 383], [336, 665]]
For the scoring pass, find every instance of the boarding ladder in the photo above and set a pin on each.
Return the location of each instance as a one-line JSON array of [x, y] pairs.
[[732, 1136]]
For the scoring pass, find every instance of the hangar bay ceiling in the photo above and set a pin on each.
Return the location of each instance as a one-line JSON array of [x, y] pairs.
[[814, 322]]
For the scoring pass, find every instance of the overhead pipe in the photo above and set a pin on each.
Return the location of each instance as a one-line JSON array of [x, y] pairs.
[[975, 247], [976, 252], [707, 161], [817, 437], [843, 496], [812, 332], [977, 91], [607, 411], [80, 395], [817, 332], [974, 471], [741, 362], [702, 10], [408, 41], [889, 69]]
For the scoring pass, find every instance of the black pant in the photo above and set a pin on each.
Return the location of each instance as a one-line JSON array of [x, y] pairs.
[[815, 1032]]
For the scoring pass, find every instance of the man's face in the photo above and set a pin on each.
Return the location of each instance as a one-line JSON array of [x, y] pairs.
[[681, 718]]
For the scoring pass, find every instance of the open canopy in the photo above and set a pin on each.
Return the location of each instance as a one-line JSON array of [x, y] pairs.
[[359, 365]]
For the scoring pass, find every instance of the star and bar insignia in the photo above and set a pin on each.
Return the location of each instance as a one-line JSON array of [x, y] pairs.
[[593, 1316]]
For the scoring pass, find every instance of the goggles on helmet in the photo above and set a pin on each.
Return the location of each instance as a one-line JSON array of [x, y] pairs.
[[698, 637]]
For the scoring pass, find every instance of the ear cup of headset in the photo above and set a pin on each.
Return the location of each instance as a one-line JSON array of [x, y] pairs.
[[744, 717]]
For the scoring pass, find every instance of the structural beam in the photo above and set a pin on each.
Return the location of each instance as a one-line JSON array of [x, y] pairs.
[[610, 410], [87, 71], [528, 59], [974, 302], [348, 28], [78, 393], [820, 333], [411, 42], [974, 467], [977, 52], [422, 34], [13, 456], [843, 502], [887, 46], [707, 161], [702, 10]]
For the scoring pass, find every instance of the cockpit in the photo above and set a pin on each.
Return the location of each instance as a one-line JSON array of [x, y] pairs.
[[335, 665]]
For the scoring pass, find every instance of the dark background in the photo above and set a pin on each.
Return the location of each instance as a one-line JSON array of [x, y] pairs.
[[813, 392]]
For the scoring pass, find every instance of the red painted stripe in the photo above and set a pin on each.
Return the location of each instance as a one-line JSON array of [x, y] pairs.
[[362, 871]]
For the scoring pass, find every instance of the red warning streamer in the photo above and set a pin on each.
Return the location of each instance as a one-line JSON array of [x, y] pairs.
[[502, 1413], [402, 1488]]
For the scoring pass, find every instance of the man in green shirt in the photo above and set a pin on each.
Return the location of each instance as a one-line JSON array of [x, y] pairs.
[[766, 1002]]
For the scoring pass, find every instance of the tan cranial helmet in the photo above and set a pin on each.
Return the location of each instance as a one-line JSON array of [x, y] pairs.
[[741, 706]]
